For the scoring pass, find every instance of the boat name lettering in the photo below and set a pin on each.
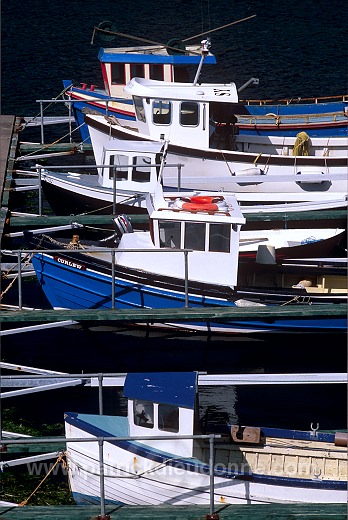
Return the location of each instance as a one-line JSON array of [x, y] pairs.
[[221, 92], [64, 261]]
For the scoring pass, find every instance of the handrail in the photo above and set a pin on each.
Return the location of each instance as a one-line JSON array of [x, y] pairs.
[[102, 439], [112, 251]]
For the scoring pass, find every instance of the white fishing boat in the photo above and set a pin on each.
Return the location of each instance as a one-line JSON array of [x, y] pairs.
[[131, 170], [78, 274], [198, 121], [161, 453], [324, 116]]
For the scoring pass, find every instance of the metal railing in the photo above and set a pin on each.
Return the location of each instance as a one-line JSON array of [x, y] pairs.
[[115, 171], [112, 252], [70, 102], [102, 440], [82, 378]]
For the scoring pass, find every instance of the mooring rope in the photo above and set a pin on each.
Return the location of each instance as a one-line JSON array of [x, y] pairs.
[[59, 459]]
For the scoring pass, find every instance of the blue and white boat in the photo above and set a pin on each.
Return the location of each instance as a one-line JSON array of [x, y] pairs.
[[318, 117], [160, 454], [189, 256], [197, 120], [118, 66]]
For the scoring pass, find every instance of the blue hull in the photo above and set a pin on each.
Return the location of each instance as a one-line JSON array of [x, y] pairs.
[[72, 285], [323, 128]]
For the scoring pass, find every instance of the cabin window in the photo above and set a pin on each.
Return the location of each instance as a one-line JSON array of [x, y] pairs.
[[168, 418], [189, 113], [141, 169], [139, 109], [137, 70], [143, 413], [181, 74], [118, 74], [156, 72], [195, 236], [121, 167], [161, 112], [219, 238], [170, 234]]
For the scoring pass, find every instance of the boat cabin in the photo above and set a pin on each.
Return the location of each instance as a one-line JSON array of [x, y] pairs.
[[206, 224], [184, 112], [119, 65], [130, 166], [162, 404]]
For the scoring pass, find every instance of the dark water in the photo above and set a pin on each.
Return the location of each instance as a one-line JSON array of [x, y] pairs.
[[296, 48]]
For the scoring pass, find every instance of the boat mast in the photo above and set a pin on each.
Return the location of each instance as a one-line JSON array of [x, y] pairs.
[[206, 44]]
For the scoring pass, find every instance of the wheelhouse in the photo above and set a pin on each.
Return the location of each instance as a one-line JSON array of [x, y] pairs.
[[120, 65]]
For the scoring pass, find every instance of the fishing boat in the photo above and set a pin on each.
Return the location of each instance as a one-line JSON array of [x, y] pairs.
[[118, 66], [163, 452], [130, 170], [318, 117], [198, 122], [201, 240]]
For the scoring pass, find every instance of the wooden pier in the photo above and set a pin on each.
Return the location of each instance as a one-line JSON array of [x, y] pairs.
[[183, 314], [13, 224], [172, 512]]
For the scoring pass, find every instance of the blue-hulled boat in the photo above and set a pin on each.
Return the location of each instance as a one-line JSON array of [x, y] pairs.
[[319, 117], [158, 454], [198, 121], [150, 269], [118, 66]]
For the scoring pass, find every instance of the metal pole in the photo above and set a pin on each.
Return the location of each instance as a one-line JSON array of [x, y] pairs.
[[101, 470], [42, 123], [40, 193], [179, 177], [70, 130], [114, 191], [186, 278], [113, 279], [19, 280], [211, 474], [100, 390]]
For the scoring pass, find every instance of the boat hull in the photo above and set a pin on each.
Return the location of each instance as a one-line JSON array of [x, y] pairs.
[[80, 282], [316, 119], [282, 177], [137, 474]]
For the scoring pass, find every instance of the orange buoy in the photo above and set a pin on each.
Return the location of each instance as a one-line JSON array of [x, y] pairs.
[[201, 203], [191, 206], [202, 199]]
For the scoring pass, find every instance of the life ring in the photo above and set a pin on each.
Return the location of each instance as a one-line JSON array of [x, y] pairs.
[[190, 206], [201, 203], [202, 199]]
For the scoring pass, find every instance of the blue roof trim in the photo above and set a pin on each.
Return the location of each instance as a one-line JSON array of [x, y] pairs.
[[176, 388], [194, 465], [177, 59]]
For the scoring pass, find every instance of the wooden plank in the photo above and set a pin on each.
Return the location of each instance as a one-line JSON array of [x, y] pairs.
[[28, 221], [171, 512], [8, 143], [174, 315]]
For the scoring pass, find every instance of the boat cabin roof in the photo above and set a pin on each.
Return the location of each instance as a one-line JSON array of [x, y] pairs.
[[149, 88], [196, 208], [154, 54], [175, 388]]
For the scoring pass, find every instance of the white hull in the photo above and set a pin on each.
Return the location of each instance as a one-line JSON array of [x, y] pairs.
[[134, 480], [270, 174], [87, 186]]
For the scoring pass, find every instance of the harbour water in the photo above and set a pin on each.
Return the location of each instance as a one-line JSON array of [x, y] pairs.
[[296, 49]]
